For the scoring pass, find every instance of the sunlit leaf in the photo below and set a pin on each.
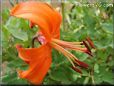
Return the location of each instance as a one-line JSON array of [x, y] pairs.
[[13, 26]]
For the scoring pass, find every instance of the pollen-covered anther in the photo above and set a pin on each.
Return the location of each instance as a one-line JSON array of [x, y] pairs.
[[77, 46], [86, 45], [81, 64], [89, 53], [76, 69], [88, 39]]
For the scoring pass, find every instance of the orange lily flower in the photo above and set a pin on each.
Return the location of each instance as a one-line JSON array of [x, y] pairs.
[[39, 58]]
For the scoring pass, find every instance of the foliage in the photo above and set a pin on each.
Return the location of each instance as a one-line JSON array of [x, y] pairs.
[[80, 22]]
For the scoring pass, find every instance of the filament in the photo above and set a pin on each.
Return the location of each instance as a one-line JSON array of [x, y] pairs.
[[65, 52], [62, 50], [70, 45]]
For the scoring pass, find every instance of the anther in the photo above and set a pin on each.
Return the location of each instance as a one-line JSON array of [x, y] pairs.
[[88, 39], [82, 64], [76, 69], [86, 45]]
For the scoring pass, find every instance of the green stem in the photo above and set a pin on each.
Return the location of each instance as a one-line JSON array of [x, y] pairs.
[[92, 76], [86, 80], [63, 13], [17, 1], [11, 3]]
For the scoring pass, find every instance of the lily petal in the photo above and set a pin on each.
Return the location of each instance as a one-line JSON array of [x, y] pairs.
[[22, 53], [39, 63], [40, 14]]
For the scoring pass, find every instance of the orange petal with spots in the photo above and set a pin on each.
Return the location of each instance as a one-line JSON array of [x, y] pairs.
[[39, 63]]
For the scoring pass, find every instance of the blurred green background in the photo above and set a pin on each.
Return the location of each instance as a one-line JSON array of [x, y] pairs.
[[79, 21]]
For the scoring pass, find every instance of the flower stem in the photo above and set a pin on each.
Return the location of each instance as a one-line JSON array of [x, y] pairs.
[[92, 76], [11, 3], [63, 13]]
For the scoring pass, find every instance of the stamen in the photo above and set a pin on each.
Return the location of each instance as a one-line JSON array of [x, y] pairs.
[[73, 60], [76, 69], [82, 64], [86, 46], [69, 45], [65, 42], [90, 42], [77, 49], [65, 52], [89, 53]]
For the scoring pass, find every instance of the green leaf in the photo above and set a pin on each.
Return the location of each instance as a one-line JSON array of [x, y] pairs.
[[5, 37], [14, 27], [12, 79], [108, 76], [5, 15], [96, 68], [86, 80], [108, 27], [105, 75], [62, 74], [97, 78]]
